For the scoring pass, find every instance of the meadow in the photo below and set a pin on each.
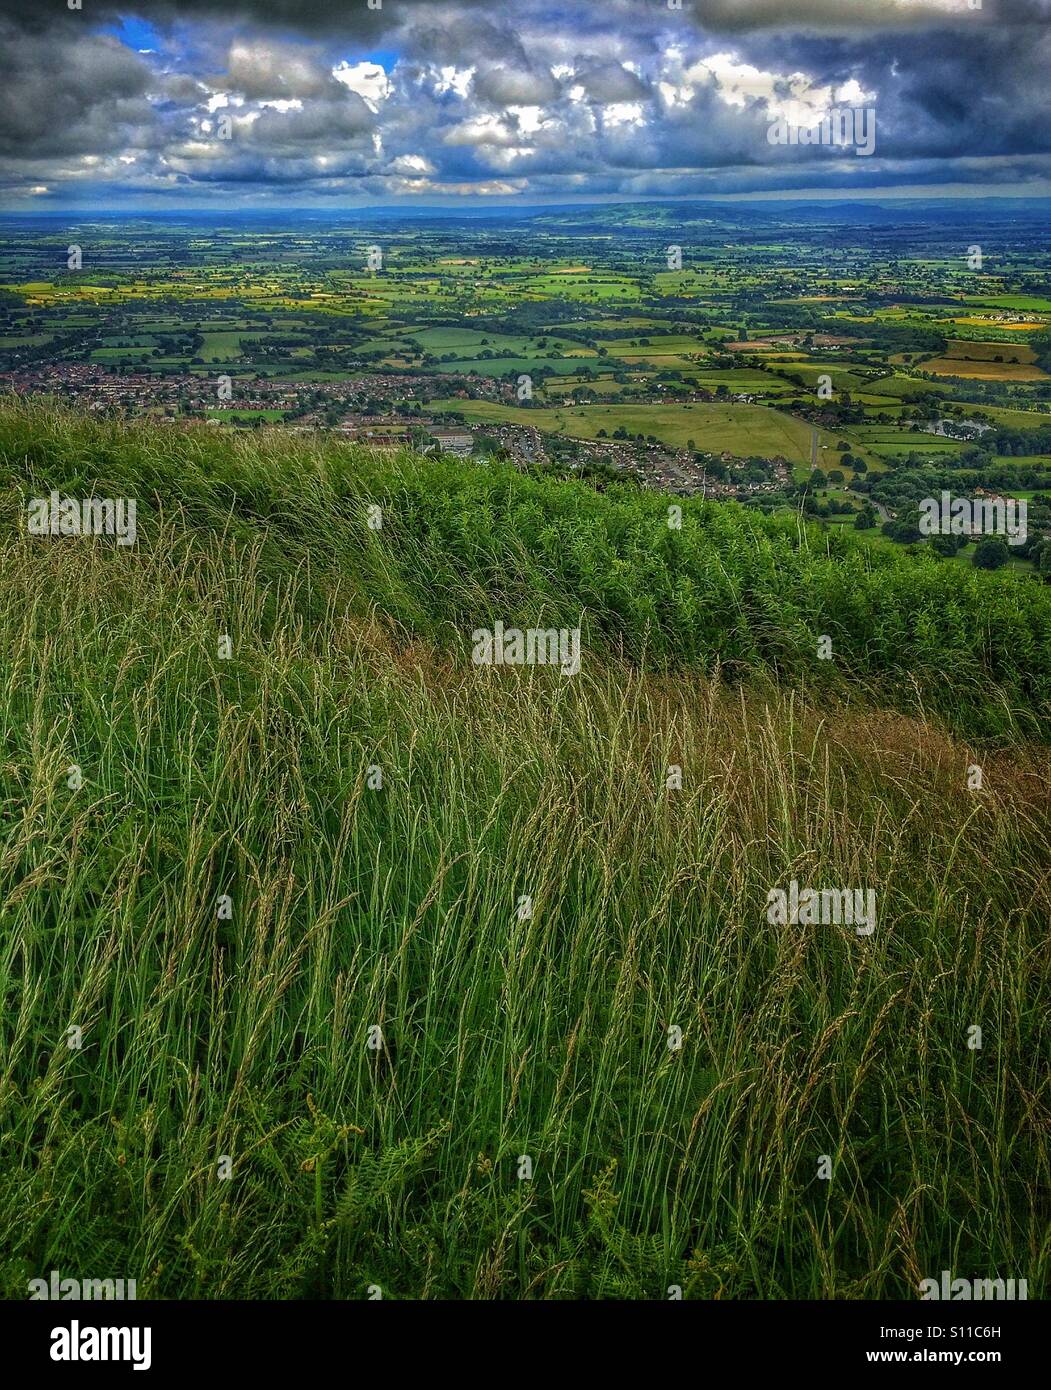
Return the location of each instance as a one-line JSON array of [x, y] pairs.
[[276, 1026], [735, 428]]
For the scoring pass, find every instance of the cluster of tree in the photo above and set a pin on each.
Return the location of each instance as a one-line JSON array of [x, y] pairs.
[[827, 506], [1018, 443], [1029, 395], [990, 552], [876, 334], [1041, 345]]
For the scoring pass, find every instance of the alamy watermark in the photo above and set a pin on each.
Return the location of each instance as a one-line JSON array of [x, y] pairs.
[[812, 907], [56, 1288], [963, 1290], [531, 646], [987, 516], [79, 1343], [844, 125], [88, 516]]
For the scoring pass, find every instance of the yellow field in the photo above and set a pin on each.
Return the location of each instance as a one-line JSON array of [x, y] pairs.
[[983, 371], [972, 322]]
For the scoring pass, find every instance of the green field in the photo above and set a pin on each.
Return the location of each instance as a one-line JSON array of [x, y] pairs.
[[742, 430]]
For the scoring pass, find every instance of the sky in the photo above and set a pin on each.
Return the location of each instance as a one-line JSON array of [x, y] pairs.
[[250, 104]]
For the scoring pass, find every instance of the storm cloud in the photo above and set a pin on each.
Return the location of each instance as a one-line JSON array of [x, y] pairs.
[[299, 102]]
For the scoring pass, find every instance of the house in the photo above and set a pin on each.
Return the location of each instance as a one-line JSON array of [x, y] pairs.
[[452, 441]]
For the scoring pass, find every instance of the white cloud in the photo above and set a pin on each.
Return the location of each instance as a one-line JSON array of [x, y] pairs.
[[485, 129], [623, 113], [369, 80], [530, 118], [451, 79], [412, 164]]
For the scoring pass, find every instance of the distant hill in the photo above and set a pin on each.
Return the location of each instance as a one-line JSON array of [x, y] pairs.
[[859, 212]]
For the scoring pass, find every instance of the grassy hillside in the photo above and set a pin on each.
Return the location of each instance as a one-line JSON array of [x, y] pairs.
[[358, 907]]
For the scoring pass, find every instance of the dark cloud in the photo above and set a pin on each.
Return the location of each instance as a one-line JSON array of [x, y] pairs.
[[325, 123], [501, 84], [266, 69], [611, 82], [299, 16], [838, 16], [62, 95]]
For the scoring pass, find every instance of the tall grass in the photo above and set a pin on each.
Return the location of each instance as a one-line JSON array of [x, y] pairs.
[[395, 907]]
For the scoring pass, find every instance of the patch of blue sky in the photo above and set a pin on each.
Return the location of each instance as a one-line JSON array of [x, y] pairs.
[[136, 34]]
